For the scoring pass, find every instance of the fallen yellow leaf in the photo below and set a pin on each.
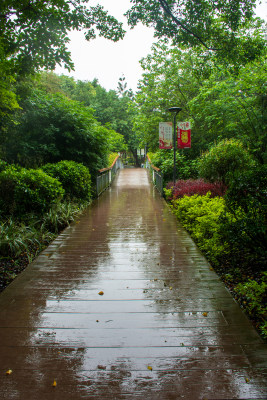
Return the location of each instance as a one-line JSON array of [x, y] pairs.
[[247, 380], [205, 314], [101, 293], [149, 367], [170, 287], [8, 372], [54, 384]]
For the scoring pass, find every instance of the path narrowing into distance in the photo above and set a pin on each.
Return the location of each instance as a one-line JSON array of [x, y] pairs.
[[122, 305]]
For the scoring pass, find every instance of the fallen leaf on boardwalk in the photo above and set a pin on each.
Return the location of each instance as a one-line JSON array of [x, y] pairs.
[[155, 279], [205, 314], [149, 367], [8, 372], [102, 367], [101, 293], [170, 287], [54, 384], [247, 380]]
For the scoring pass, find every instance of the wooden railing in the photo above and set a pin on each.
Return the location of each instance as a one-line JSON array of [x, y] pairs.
[[156, 175], [106, 176]]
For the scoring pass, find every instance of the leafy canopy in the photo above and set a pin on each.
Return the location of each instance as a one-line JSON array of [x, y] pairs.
[[34, 33], [214, 25]]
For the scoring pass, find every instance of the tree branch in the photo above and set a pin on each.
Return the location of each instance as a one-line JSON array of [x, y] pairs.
[[167, 10]]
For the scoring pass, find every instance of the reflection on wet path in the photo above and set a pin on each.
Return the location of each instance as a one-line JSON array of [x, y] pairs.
[[163, 328]]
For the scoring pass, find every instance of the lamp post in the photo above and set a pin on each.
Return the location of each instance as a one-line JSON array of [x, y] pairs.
[[175, 111]]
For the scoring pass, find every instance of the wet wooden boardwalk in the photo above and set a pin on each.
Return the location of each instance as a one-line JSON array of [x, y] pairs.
[[122, 305]]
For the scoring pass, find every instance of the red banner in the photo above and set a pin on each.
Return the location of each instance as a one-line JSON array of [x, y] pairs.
[[184, 135]]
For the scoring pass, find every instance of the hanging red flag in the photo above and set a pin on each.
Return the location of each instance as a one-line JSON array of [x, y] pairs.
[[184, 135]]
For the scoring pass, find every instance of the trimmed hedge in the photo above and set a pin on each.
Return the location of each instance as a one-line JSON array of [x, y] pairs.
[[27, 191], [74, 177]]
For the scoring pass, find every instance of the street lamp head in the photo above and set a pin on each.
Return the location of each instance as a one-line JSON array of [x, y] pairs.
[[174, 109]]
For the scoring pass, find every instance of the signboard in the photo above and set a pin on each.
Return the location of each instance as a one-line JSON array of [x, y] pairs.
[[165, 135], [184, 135]]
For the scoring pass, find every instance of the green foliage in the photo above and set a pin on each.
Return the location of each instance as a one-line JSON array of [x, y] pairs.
[[222, 160], [163, 159], [3, 165], [16, 238], [60, 216], [221, 104], [74, 177], [27, 191], [34, 34], [116, 141], [200, 215], [220, 27], [53, 128], [253, 296], [246, 199], [111, 158]]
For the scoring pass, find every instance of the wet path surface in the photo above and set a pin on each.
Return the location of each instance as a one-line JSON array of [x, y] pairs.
[[162, 327]]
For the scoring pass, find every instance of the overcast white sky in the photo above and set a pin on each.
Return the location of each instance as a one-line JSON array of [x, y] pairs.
[[108, 61]]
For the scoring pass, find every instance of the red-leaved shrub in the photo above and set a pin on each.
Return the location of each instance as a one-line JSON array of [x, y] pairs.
[[190, 187]]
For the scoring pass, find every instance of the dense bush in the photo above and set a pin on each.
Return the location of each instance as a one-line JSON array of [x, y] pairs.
[[246, 199], [190, 187], [253, 295], [74, 177], [222, 160], [52, 128], [228, 239], [163, 159], [27, 191], [200, 215]]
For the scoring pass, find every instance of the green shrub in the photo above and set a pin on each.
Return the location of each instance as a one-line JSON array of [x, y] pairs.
[[28, 191], [163, 159], [222, 160], [246, 199], [253, 296], [3, 165], [200, 215], [74, 177]]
